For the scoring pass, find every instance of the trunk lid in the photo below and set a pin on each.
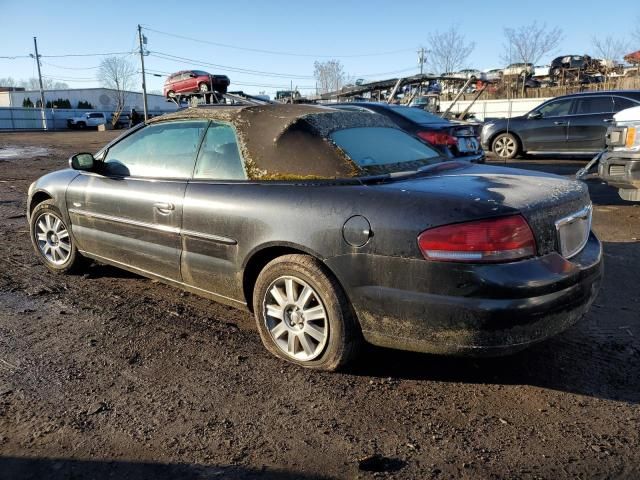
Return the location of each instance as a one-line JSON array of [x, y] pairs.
[[481, 191]]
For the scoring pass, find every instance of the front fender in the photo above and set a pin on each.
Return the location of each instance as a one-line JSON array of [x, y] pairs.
[[52, 185]]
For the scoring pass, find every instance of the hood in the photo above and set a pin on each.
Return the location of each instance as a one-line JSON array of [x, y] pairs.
[[628, 115], [473, 191]]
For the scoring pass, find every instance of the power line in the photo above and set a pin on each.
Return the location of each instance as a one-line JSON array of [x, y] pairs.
[[273, 52], [244, 84], [175, 58], [86, 54], [13, 57], [68, 79], [70, 68]]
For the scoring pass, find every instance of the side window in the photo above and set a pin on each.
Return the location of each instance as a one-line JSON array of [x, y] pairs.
[[163, 150], [620, 103], [219, 157], [593, 105], [558, 108]]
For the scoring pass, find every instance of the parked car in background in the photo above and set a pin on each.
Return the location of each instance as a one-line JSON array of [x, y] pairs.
[[518, 69], [578, 63], [429, 102], [494, 75], [387, 241], [124, 121], [540, 71], [470, 73], [569, 124], [86, 120], [192, 81], [452, 139]]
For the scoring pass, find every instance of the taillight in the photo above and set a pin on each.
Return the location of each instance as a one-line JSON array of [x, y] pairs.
[[438, 138], [494, 240]]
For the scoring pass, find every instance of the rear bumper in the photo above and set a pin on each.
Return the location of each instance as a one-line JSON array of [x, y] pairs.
[[445, 308], [620, 169], [474, 158]]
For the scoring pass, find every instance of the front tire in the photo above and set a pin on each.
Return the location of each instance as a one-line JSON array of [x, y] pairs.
[[303, 315], [203, 87], [52, 239], [506, 146]]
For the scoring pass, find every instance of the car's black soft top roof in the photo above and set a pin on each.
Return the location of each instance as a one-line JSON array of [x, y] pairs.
[[287, 141]]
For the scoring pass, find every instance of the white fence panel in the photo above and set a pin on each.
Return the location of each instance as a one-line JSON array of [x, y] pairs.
[[487, 109]]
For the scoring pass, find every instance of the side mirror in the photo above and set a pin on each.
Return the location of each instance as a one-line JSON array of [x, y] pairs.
[[192, 75], [534, 115], [82, 161]]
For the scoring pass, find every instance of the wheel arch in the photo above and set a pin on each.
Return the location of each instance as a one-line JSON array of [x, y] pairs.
[[37, 198], [259, 257], [518, 138]]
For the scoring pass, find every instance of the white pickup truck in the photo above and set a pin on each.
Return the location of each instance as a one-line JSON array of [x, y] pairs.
[[89, 119], [619, 164]]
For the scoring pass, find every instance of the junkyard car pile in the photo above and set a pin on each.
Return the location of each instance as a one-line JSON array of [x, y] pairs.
[[332, 226]]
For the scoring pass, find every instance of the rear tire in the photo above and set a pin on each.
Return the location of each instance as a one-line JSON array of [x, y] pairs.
[[52, 240], [505, 146], [81, 125], [303, 315], [171, 94]]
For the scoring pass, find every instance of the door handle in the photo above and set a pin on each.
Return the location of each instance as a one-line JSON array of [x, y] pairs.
[[559, 123], [164, 207], [608, 120]]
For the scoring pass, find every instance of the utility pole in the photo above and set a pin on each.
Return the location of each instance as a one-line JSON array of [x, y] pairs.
[[42, 110], [421, 58], [142, 39]]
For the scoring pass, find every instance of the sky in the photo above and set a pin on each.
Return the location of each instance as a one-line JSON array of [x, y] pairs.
[[279, 40]]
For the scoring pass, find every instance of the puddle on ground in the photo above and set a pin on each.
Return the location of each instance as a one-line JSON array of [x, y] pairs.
[[8, 153]]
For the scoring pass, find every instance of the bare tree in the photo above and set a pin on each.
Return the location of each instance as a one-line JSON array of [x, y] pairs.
[[8, 82], [33, 84], [448, 51], [610, 51], [529, 43], [329, 75], [116, 73]]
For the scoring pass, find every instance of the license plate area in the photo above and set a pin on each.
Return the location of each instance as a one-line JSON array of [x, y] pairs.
[[467, 144], [573, 232]]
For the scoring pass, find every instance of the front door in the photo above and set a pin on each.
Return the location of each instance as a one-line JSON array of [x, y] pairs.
[[129, 210], [549, 132]]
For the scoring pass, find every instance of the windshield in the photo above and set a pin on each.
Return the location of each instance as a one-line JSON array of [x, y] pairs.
[[419, 116], [200, 73], [383, 149]]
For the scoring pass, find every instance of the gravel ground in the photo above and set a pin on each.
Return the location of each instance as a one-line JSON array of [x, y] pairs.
[[110, 375]]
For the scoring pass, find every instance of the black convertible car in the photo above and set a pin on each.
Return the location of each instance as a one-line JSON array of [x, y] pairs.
[[332, 227]]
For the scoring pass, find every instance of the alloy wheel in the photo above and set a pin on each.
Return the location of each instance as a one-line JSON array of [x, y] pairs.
[[52, 238], [505, 147], [295, 318]]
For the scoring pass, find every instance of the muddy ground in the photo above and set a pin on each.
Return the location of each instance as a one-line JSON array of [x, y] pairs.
[[110, 375]]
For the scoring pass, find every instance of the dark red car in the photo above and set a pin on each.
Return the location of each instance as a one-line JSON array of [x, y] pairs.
[[190, 81]]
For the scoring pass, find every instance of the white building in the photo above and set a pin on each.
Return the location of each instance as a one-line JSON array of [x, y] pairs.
[[102, 99]]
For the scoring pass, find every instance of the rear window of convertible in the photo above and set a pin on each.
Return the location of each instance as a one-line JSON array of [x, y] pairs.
[[380, 146]]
